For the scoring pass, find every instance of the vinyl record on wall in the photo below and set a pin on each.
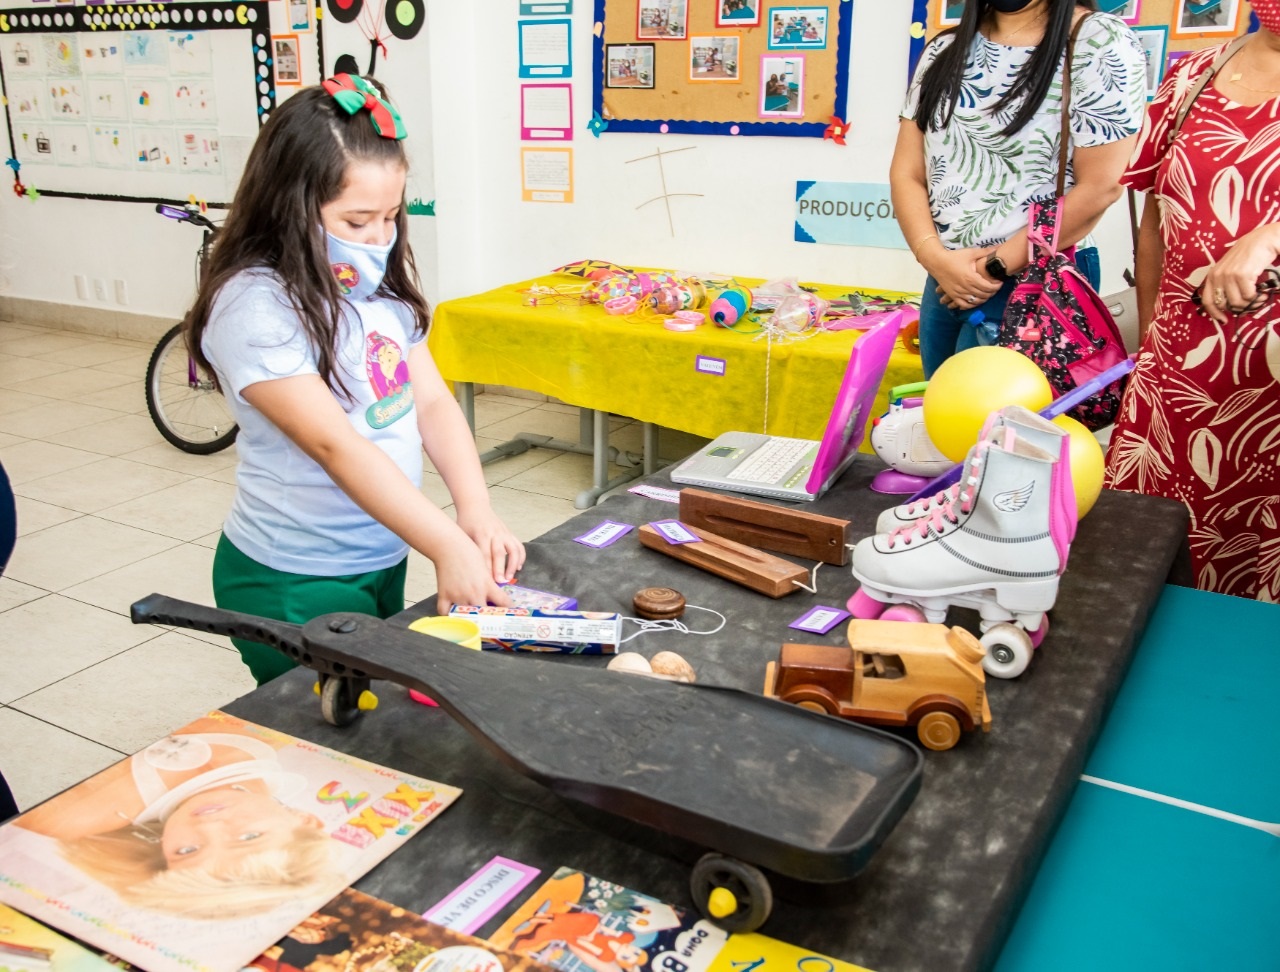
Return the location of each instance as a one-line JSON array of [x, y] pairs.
[[405, 17], [344, 11], [346, 64]]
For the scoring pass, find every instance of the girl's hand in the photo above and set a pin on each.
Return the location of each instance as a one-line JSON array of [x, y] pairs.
[[462, 577], [1232, 282], [962, 283], [503, 554]]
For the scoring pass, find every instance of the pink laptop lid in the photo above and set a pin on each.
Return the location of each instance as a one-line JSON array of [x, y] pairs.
[[852, 409]]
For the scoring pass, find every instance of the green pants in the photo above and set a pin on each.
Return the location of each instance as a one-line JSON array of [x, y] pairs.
[[240, 583]]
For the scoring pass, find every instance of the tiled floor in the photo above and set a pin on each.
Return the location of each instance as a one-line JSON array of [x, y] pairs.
[[108, 512]]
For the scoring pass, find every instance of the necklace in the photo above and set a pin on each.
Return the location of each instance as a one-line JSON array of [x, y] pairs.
[[1236, 79], [1034, 23]]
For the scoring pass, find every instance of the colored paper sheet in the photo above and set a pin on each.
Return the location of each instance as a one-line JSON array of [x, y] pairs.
[[545, 51], [848, 214], [542, 8], [478, 898], [546, 175], [546, 112]]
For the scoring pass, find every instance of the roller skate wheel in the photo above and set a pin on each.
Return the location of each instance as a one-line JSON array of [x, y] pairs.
[[1008, 651], [903, 612], [864, 607]]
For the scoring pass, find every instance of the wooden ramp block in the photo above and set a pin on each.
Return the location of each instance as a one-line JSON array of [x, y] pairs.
[[733, 561], [767, 526]]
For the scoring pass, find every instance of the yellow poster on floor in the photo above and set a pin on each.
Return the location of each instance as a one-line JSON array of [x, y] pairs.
[[758, 953]]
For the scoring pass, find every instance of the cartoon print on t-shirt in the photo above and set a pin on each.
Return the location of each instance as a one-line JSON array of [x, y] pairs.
[[389, 375], [348, 277]]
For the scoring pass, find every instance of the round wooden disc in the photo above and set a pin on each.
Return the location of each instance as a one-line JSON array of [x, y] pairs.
[[658, 603]]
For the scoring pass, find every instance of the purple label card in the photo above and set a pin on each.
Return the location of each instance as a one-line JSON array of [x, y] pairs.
[[603, 535], [820, 619], [660, 493], [710, 366], [478, 898], [673, 531]]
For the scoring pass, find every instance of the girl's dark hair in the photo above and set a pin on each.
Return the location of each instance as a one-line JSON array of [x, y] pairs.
[[298, 164], [940, 86]]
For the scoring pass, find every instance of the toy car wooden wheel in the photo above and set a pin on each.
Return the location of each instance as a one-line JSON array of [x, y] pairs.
[[731, 894], [938, 731], [1008, 651], [814, 699], [339, 701]]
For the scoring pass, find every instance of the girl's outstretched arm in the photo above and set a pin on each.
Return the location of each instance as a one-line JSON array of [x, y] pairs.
[[304, 409], [452, 450]]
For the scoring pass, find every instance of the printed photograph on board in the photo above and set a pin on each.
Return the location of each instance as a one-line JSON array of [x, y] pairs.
[[782, 86], [792, 28], [662, 19], [628, 66], [713, 58]]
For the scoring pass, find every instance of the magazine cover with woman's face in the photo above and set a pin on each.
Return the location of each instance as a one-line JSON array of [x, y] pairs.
[[208, 846]]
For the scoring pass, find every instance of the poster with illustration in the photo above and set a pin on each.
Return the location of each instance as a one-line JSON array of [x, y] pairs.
[[23, 55], [27, 99], [207, 847], [145, 52], [149, 101], [107, 99], [356, 932], [66, 99], [578, 923], [190, 52], [155, 149], [71, 144], [193, 100], [32, 142], [109, 145], [198, 150], [101, 54], [61, 57]]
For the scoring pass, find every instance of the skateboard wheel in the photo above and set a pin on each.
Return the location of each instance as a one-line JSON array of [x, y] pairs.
[[658, 603], [743, 885]]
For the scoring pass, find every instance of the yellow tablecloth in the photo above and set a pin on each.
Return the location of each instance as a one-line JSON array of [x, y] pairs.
[[584, 356]]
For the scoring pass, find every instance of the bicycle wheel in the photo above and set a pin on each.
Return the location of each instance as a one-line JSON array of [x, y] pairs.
[[192, 415]]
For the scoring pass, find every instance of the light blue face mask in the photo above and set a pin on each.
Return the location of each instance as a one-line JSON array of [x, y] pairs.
[[358, 267]]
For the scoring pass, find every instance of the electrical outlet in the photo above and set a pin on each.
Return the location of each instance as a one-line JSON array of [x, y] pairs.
[[99, 288], [122, 292], [82, 286]]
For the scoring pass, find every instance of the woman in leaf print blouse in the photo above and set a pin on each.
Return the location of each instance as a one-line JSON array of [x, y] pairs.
[[1200, 422], [979, 141]]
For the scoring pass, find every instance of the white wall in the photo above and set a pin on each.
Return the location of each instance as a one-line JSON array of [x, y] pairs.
[[484, 235]]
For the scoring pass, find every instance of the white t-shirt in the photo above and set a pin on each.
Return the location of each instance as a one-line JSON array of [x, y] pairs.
[[287, 513], [981, 183]]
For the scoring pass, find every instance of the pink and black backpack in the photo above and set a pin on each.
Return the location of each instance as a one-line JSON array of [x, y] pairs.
[[1058, 321]]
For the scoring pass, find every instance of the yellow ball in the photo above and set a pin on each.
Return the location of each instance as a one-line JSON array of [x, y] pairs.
[[971, 385], [1087, 463], [722, 903]]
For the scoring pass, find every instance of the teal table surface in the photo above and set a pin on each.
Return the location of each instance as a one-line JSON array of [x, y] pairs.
[[1172, 872]]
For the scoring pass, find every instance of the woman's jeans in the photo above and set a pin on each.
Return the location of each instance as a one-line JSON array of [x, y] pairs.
[[944, 332]]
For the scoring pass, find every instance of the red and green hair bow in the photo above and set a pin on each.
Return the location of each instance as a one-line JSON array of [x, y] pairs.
[[352, 94]]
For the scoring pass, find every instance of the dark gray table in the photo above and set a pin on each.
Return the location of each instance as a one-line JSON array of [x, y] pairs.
[[944, 890]]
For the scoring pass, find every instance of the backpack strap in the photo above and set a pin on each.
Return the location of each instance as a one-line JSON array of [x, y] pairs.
[[1185, 109], [1066, 104]]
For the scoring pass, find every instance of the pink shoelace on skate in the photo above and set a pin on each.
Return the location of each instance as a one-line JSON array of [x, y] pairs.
[[946, 511]]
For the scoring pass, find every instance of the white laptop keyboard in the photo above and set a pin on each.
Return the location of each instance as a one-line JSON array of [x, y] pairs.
[[771, 461]]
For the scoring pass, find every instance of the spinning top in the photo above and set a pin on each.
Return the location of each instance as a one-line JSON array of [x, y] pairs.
[[658, 603]]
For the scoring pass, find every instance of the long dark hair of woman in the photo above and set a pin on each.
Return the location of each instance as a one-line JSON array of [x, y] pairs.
[[298, 164], [940, 87]]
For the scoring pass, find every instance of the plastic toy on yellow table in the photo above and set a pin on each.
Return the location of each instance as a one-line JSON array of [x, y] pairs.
[[901, 441], [892, 674]]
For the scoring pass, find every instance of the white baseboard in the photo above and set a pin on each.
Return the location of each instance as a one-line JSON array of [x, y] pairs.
[[102, 321]]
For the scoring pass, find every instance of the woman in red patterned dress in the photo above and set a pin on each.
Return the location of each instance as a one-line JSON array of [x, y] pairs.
[[1200, 421]]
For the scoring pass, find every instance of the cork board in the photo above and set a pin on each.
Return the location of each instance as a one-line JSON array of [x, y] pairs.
[[1168, 29], [711, 67]]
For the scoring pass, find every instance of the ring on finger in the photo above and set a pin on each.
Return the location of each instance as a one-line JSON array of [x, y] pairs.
[[1219, 297]]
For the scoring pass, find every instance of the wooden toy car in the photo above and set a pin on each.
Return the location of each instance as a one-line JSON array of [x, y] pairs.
[[894, 673]]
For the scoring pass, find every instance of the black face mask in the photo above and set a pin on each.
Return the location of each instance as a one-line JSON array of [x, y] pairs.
[[1008, 6]]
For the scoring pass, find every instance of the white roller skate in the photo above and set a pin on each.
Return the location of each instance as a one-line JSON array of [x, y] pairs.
[[1026, 423], [999, 547]]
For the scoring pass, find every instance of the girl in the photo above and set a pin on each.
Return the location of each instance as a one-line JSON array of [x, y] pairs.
[[312, 320], [980, 139]]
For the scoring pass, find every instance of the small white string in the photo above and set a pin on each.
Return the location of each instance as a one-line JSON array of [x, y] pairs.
[[812, 586], [671, 624]]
